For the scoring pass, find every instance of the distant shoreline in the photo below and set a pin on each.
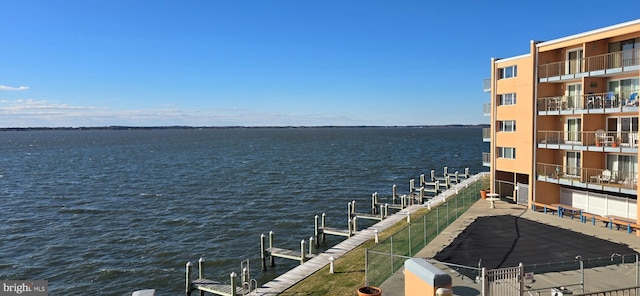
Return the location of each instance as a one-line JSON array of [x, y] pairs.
[[115, 127]]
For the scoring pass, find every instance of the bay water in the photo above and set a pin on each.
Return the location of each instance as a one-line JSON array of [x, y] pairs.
[[107, 212]]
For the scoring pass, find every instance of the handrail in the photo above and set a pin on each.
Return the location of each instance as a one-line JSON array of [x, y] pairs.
[[601, 62]]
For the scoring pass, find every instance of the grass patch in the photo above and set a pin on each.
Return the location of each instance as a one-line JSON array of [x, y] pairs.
[[348, 273]]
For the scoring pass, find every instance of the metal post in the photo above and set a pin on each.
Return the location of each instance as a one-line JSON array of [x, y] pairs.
[[188, 278], [409, 218], [233, 277]]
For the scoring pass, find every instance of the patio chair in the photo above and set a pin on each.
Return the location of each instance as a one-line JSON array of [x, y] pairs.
[[633, 100], [608, 99], [605, 177], [601, 137]]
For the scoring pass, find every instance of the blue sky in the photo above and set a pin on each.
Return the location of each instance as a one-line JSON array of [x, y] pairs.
[[254, 63]]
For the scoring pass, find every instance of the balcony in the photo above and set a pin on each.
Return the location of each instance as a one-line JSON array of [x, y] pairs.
[[612, 141], [487, 84], [486, 159], [486, 109], [594, 103], [486, 134], [597, 179], [601, 65]]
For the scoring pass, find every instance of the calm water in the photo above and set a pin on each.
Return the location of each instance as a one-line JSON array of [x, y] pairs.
[[110, 212]]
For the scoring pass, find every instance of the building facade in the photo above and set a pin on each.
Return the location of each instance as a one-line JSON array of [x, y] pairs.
[[564, 122]]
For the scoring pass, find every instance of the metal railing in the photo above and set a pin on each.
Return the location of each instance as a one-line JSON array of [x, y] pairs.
[[601, 62], [599, 177], [486, 109], [613, 139], [621, 101], [486, 158], [486, 134], [486, 84]]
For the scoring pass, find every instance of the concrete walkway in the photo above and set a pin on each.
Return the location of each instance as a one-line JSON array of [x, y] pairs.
[[453, 238]]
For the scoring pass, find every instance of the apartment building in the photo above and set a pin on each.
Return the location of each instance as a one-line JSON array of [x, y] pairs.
[[564, 122]]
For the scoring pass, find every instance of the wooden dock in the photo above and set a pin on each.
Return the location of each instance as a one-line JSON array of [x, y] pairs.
[[300, 272], [202, 285]]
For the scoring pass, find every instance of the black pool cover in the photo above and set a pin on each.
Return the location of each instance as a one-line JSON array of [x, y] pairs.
[[505, 241]]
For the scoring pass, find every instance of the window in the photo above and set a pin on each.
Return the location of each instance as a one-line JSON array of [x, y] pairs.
[[508, 126], [508, 72], [507, 152], [623, 168], [507, 99], [573, 163]]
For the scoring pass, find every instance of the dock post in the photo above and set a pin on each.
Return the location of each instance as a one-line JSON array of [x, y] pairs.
[[188, 278], [394, 194], [324, 236], [262, 252], [466, 172], [355, 224], [433, 175], [233, 277], [381, 212], [421, 194], [376, 238], [301, 251], [373, 203], [353, 207], [349, 210], [408, 217], [446, 171], [412, 186], [421, 179], [201, 271], [201, 268], [272, 262], [350, 227], [386, 210], [311, 244], [316, 229], [457, 178]]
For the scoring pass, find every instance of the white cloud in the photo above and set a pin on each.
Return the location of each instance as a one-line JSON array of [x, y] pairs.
[[42, 113], [4, 87]]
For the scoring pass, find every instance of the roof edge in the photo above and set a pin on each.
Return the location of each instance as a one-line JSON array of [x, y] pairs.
[[587, 33]]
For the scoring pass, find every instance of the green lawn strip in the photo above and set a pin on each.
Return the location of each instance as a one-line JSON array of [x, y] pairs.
[[348, 273]]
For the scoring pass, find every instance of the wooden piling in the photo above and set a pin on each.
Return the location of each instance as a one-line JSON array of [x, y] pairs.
[[302, 254], [263, 252], [188, 278], [272, 262], [324, 236], [233, 277], [422, 181]]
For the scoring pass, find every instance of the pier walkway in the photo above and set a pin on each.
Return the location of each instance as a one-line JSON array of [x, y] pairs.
[[293, 276]]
